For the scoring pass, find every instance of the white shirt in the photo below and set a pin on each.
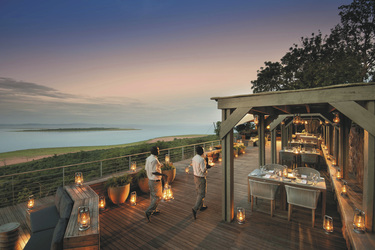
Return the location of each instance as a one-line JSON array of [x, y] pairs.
[[199, 166], [153, 165]]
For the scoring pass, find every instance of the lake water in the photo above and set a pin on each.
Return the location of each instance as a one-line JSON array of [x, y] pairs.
[[11, 140]]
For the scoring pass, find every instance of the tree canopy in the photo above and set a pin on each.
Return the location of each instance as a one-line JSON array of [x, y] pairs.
[[346, 55]]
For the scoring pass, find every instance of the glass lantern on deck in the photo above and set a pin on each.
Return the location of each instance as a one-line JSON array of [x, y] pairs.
[[359, 221], [241, 215], [30, 202], [83, 218], [328, 224], [133, 166], [78, 178]]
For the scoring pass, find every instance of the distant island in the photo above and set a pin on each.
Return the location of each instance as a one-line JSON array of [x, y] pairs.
[[75, 129]]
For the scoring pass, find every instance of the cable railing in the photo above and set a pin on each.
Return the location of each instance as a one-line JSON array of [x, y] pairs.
[[16, 188]]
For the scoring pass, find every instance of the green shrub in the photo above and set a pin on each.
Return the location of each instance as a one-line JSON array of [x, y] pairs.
[[117, 181], [168, 166], [142, 174]]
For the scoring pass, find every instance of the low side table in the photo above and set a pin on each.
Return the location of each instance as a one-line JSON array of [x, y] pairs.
[[9, 235]]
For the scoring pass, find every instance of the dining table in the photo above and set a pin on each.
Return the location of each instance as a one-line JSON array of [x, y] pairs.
[[300, 181]]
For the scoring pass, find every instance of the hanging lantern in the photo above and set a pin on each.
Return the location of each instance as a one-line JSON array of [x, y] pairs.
[[133, 166], [321, 123], [359, 221], [78, 178], [336, 119], [268, 127], [328, 224], [133, 198], [101, 202], [344, 188], [282, 122], [187, 169], [30, 202], [167, 159], [256, 120], [326, 122], [241, 215], [83, 218]]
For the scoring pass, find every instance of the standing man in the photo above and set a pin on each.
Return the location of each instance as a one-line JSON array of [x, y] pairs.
[[154, 174], [200, 166]]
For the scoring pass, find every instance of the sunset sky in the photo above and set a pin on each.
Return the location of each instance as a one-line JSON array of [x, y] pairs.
[[135, 62]]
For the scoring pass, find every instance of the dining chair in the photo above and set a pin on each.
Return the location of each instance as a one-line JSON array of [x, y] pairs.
[[307, 171], [274, 166], [309, 159], [287, 158], [264, 190], [302, 197]]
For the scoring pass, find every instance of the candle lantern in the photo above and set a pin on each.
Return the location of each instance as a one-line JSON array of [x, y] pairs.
[[240, 215], [101, 202], [133, 198], [338, 174], [211, 162], [328, 224], [133, 166], [256, 120], [285, 172], [268, 127], [333, 161], [210, 148], [336, 119], [282, 122], [344, 188], [167, 193], [187, 169], [167, 158], [83, 218], [30, 202], [220, 159], [78, 178], [359, 221]]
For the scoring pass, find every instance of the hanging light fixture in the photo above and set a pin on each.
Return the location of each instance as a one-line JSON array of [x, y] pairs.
[[336, 119], [256, 120]]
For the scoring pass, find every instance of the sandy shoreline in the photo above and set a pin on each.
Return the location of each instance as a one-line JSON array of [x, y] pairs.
[[16, 160]]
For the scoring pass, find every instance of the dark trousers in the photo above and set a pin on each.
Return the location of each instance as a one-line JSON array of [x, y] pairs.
[[200, 188]]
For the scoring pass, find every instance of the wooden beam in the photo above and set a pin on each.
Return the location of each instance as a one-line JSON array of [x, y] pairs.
[[263, 110], [228, 172], [261, 140], [353, 92], [232, 120], [285, 109], [369, 175], [357, 113]]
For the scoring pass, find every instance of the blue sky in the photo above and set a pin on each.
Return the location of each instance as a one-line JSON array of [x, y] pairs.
[[129, 62]]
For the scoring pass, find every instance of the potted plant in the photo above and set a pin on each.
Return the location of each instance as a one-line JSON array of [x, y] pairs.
[[118, 188], [169, 170], [141, 178]]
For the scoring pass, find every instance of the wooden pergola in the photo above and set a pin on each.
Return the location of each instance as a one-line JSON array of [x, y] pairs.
[[354, 102]]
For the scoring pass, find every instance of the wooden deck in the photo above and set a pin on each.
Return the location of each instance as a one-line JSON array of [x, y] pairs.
[[125, 226]]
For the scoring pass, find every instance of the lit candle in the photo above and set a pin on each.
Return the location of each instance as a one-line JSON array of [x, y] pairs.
[[78, 178], [133, 198], [187, 169], [133, 166], [83, 218], [101, 202], [328, 224], [30, 203], [338, 174], [167, 158], [240, 215], [359, 221], [344, 188], [336, 119]]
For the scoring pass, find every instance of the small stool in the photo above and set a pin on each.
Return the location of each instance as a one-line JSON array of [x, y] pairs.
[[9, 235]]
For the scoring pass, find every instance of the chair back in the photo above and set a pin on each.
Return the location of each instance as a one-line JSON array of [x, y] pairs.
[[302, 197], [265, 190], [309, 158], [307, 171], [274, 166]]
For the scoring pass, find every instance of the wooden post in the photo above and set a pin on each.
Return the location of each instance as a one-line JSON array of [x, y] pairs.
[[261, 135], [228, 172], [284, 136], [273, 146], [369, 175], [342, 160]]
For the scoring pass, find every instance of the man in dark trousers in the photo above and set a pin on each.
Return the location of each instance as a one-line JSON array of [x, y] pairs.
[[200, 166]]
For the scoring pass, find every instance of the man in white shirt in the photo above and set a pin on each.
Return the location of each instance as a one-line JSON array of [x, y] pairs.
[[200, 166], [154, 175]]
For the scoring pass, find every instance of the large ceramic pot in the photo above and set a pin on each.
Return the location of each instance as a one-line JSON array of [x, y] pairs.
[[143, 185], [118, 195], [171, 174]]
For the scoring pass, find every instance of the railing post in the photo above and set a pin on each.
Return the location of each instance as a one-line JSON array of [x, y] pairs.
[[13, 188], [101, 168], [63, 176], [182, 156], [130, 162]]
